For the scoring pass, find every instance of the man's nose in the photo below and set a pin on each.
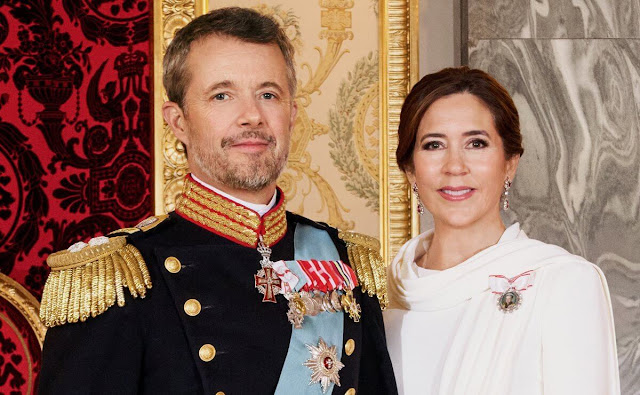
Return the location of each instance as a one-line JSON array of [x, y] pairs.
[[250, 115]]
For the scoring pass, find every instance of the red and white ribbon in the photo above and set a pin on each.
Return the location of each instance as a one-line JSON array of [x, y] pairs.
[[289, 280], [500, 284], [323, 276]]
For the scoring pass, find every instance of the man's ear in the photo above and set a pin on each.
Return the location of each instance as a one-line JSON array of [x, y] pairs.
[[294, 113], [174, 117]]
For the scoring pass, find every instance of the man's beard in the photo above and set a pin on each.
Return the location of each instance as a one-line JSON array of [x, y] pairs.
[[255, 173]]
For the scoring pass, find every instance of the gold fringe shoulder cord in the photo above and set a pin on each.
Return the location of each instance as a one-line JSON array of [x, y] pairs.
[[364, 256], [87, 282]]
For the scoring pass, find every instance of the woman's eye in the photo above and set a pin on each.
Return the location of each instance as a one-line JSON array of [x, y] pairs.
[[220, 96], [432, 145], [478, 143]]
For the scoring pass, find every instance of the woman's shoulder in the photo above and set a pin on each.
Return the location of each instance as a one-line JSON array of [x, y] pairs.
[[555, 256], [573, 264], [560, 267], [572, 275]]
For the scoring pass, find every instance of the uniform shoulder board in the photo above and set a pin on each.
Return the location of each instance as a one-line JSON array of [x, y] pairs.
[[144, 225], [86, 279], [364, 256]]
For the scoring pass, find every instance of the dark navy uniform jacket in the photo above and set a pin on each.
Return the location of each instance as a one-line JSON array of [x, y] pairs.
[[152, 345]]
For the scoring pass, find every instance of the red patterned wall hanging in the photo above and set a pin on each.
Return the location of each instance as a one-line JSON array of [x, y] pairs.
[[75, 126]]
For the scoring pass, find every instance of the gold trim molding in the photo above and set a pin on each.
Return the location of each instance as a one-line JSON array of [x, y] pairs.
[[398, 72], [169, 161], [398, 38], [25, 303]]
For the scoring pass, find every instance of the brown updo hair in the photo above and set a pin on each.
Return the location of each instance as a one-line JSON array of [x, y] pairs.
[[447, 82]]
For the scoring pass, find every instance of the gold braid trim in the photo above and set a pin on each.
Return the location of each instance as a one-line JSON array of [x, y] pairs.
[[364, 256], [230, 219], [86, 283]]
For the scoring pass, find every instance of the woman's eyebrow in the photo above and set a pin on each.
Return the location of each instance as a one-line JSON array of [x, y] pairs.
[[432, 135]]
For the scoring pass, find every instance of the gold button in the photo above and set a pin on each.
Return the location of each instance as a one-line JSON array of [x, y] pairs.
[[192, 307], [219, 393], [207, 352], [172, 264], [350, 391], [349, 346]]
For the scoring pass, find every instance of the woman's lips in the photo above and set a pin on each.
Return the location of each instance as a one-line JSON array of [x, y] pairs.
[[456, 194]]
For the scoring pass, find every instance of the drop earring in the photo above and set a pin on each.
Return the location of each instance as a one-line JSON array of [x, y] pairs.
[[420, 205], [505, 194]]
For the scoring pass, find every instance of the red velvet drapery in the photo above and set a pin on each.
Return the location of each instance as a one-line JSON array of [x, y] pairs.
[[75, 133]]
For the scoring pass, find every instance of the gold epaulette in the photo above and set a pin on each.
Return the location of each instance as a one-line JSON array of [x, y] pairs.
[[364, 256], [89, 278]]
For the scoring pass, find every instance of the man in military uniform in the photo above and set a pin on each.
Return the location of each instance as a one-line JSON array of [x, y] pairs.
[[230, 293]]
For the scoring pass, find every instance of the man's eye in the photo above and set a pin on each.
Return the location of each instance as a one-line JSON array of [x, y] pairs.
[[220, 96], [268, 96]]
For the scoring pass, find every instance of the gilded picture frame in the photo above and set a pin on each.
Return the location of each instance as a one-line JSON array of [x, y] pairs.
[[398, 71]]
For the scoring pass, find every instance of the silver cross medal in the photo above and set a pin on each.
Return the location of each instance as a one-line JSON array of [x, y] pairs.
[[266, 280]]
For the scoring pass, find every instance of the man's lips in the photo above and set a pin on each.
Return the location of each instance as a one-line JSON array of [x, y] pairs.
[[252, 140], [456, 193], [251, 144]]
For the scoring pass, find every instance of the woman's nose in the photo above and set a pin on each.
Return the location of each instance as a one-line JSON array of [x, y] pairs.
[[455, 163]]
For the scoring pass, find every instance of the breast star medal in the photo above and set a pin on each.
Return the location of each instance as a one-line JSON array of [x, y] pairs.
[[324, 365], [266, 280]]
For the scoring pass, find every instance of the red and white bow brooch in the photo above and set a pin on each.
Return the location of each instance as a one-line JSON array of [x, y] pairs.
[[510, 289]]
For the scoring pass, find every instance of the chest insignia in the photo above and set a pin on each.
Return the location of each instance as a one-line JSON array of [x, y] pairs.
[[324, 364], [313, 286], [509, 290]]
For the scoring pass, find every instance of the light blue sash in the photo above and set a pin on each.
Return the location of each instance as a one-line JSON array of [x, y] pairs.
[[310, 243]]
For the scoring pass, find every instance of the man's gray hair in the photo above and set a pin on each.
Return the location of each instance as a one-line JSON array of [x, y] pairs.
[[242, 23]]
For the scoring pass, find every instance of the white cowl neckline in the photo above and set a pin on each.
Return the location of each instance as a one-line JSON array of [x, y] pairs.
[[448, 288], [485, 340]]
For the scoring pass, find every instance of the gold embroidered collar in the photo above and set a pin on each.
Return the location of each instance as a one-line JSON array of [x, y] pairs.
[[229, 219]]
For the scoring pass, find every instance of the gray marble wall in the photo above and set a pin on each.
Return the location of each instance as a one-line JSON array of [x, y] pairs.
[[573, 69]]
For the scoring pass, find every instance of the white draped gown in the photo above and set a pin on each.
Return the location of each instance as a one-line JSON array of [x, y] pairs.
[[447, 335]]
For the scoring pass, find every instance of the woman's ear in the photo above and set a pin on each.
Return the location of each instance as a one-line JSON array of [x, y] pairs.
[[512, 166], [174, 117], [411, 177]]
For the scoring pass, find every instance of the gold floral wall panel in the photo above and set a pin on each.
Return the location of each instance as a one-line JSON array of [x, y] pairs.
[[338, 156]]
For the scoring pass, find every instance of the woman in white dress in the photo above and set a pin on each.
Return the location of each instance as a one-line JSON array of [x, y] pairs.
[[476, 308]]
